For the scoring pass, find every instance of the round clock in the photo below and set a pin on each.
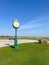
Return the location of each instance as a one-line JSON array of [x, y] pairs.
[[16, 23]]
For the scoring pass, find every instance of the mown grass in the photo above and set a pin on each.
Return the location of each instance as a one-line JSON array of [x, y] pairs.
[[26, 54]]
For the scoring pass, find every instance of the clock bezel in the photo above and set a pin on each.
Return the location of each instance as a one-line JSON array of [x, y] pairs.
[[16, 22]]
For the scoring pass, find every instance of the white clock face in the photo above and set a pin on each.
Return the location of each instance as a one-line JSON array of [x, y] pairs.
[[16, 24]]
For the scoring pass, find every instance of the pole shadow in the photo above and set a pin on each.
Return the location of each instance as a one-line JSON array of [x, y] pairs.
[[9, 45]]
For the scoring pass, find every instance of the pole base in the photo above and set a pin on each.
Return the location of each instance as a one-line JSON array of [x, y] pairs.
[[15, 47]]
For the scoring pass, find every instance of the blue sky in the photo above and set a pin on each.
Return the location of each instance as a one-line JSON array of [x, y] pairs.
[[32, 14]]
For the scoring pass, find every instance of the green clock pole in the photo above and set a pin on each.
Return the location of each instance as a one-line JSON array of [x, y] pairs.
[[15, 40], [16, 25]]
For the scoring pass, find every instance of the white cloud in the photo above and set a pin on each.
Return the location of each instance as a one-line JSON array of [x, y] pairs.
[[33, 24], [36, 27]]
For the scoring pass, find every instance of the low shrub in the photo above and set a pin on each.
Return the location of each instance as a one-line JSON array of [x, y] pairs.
[[44, 41]]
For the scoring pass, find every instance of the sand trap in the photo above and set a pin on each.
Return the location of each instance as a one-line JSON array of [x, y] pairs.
[[11, 42]]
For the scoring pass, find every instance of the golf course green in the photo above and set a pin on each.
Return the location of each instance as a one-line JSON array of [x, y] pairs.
[[26, 54]]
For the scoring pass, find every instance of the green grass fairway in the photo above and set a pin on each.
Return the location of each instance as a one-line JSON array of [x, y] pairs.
[[27, 54]]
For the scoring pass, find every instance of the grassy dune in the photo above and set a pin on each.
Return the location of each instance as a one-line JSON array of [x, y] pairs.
[[27, 54]]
